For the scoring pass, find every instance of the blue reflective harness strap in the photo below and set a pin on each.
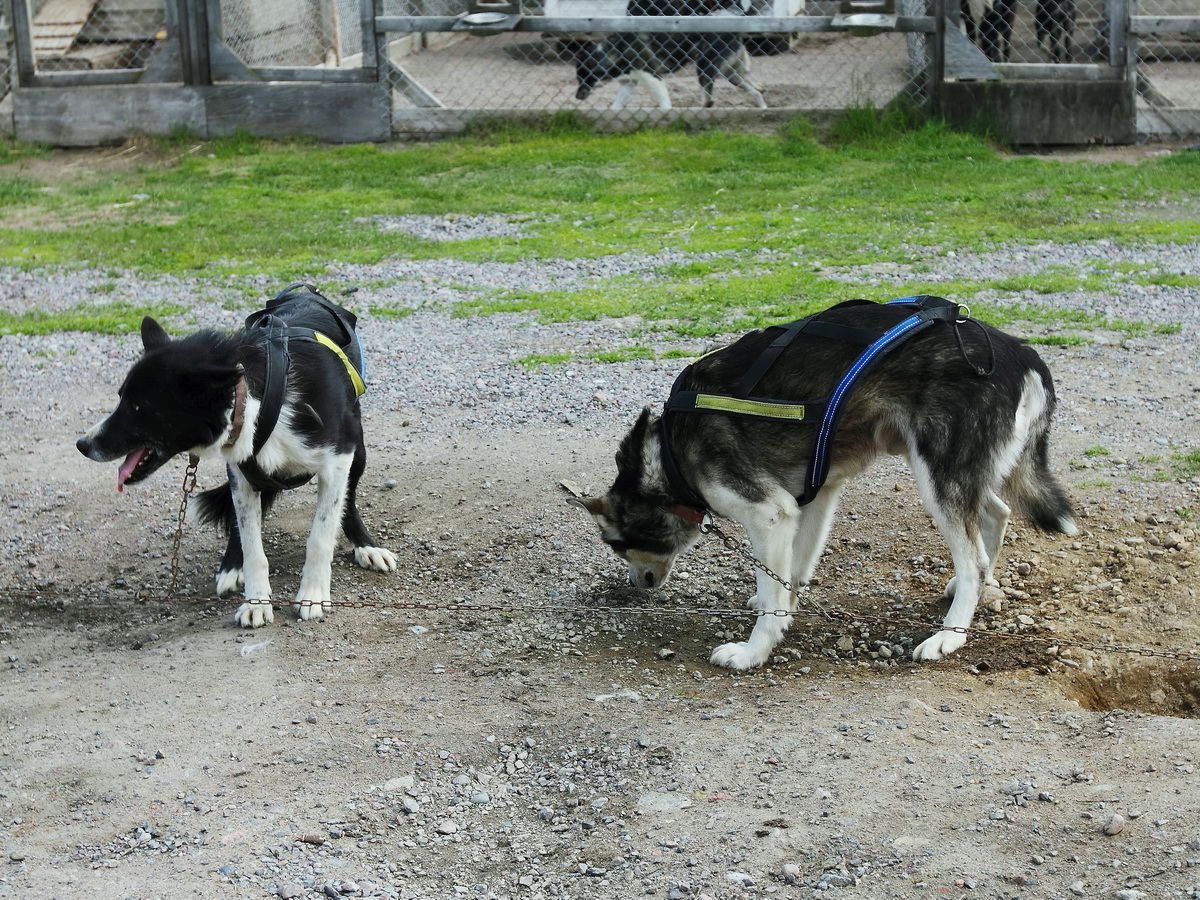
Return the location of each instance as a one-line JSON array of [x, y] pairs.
[[818, 469], [930, 309]]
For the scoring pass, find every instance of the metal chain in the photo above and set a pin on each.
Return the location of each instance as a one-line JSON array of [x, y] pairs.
[[189, 486], [708, 526]]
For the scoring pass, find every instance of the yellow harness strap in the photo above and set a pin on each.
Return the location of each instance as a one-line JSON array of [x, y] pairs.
[[750, 407], [359, 387]]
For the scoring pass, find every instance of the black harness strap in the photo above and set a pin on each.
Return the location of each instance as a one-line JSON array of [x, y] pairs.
[[928, 310], [275, 350]]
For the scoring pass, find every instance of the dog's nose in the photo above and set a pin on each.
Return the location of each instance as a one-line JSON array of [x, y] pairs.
[[649, 579], [84, 446]]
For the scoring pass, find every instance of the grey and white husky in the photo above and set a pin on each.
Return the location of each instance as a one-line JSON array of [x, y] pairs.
[[967, 405]]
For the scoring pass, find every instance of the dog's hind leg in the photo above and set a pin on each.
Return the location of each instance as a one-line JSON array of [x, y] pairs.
[[771, 525], [366, 553], [993, 522], [960, 525], [230, 577], [312, 598], [739, 76], [256, 611]]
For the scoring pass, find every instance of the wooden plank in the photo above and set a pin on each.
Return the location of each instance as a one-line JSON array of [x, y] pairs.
[[1145, 25], [57, 24], [965, 61], [90, 116]]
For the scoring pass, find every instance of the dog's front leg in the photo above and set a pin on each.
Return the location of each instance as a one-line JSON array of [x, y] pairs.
[[312, 599], [771, 526], [247, 504]]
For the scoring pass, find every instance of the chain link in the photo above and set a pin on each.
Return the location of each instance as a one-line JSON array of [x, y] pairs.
[[708, 526], [189, 486]]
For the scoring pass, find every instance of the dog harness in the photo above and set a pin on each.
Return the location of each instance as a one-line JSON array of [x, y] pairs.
[[927, 311], [279, 333]]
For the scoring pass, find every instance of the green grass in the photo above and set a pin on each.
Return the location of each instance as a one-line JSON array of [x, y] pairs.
[[104, 318], [764, 218], [1186, 464]]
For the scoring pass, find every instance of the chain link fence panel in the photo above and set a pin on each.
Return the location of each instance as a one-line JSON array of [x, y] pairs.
[[293, 32], [1168, 72], [7, 57], [95, 35], [441, 80]]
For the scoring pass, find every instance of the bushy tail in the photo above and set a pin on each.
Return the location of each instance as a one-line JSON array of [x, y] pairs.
[[1031, 488], [215, 507]]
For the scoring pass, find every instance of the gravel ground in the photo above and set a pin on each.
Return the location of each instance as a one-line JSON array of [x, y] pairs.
[[574, 742]]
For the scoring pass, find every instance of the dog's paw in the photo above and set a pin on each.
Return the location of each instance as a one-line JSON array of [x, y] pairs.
[[377, 558], [229, 582], [739, 656], [254, 614], [311, 603], [939, 646]]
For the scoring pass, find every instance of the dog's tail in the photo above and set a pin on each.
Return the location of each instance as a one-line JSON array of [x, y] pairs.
[[1031, 487], [215, 507]]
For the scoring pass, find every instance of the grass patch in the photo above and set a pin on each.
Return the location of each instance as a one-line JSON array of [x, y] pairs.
[[534, 360], [101, 318], [1186, 464], [764, 220]]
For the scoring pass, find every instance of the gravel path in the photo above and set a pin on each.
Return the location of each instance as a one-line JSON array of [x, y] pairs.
[[566, 746]]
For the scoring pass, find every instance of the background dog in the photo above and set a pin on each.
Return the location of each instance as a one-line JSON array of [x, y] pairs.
[[204, 394], [969, 440], [634, 59]]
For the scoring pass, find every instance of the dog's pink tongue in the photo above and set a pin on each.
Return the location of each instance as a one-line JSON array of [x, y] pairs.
[[128, 466]]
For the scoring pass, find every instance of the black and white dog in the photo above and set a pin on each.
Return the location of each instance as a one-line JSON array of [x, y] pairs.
[[971, 436], [278, 402], [634, 58]]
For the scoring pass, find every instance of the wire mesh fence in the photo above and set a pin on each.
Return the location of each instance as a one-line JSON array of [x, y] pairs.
[[622, 78], [1038, 31], [6, 50], [438, 77], [89, 35], [293, 32], [1168, 68]]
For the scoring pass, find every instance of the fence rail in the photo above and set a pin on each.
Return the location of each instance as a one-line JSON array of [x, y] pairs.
[[351, 70]]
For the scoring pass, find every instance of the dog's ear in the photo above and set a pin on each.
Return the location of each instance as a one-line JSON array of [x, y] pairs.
[[211, 377], [597, 506], [154, 335], [629, 452]]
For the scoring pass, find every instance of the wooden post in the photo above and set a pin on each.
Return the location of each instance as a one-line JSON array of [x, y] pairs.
[[191, 21], [937, 68], [374, 44], [23, 43]]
